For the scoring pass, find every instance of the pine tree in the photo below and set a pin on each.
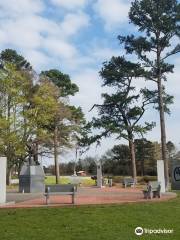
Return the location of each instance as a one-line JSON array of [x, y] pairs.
[[158, 23]]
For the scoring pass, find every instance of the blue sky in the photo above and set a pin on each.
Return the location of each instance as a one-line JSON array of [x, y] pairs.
[[76, 36]]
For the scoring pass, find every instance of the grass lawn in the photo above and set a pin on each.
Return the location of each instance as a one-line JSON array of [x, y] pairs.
[[108, 222], [65, 180], [52, 180]]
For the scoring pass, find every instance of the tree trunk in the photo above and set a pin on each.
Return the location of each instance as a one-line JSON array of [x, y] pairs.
[[56, 156], [142, 167], [161, 113], [8, 177], [8, 151], [163, 134], [35, 155], [143, 161], [133, 159]]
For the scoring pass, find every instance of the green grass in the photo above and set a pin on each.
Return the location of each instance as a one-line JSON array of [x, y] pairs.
[[108, 222], [52, 180], [140, 179], [65, 180]]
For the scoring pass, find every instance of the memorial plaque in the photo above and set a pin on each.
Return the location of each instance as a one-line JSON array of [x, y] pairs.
[[176, 177]]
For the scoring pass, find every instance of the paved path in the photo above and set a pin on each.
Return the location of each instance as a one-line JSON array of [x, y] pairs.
[[85, 196]]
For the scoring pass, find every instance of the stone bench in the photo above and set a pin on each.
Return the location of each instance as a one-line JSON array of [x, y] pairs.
[[128, 182], [152, 190], [60, 189]]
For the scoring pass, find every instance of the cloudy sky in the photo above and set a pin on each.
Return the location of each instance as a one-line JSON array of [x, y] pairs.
[[76, 36]]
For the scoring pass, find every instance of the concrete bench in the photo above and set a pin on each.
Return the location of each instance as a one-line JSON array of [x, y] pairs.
[[128, 182], [60, 189], [152, 190]]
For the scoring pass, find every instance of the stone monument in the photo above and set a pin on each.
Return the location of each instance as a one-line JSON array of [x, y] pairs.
[[160, 173], [175, 177], [3, 164], [99, 175], [31, 179]]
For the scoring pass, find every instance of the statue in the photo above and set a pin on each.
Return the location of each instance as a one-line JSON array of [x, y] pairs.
[[32, 177]]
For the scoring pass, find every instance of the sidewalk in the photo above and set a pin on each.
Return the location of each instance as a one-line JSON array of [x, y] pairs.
[[84, 196]]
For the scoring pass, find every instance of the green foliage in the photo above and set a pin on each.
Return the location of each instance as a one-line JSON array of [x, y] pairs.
[[13, 90], [159, 20], [171, 148], [152, 16], [73, 116], [117, 161], [145, 157], [145, 179], [62, 81], [11, 56], [122, 110], [172, 154], [30, 111], [158, 23], [153, 95], [88, 165]]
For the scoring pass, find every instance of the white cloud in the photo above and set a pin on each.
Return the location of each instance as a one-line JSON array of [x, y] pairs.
[[112, 12], [93, 57], [59, 48], [173, 81], [20, 7], [19, 34], [90, 90], [104, 53], [25, 27], [37, 58], [70, 4], [73, 22]]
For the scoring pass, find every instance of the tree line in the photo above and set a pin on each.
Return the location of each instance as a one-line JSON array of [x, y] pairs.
[[36, 117], [147, 55], [117, 161]]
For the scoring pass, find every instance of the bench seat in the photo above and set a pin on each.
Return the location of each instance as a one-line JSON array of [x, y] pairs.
[[60, 189], [152, 190], [128, 182]]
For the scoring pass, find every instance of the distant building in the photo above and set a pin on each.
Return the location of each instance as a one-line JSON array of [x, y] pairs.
[[81, 173]]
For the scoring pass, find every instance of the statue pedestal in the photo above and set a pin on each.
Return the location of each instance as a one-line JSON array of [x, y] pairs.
[[32, 179], [3, 163]]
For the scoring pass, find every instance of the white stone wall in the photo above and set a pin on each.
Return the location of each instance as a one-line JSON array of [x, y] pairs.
[[160, 172], [3, 163]]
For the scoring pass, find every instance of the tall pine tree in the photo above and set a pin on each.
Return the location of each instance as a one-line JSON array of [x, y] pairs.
[[158, 23]]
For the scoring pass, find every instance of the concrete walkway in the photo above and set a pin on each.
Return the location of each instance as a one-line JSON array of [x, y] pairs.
[[84, 196]]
